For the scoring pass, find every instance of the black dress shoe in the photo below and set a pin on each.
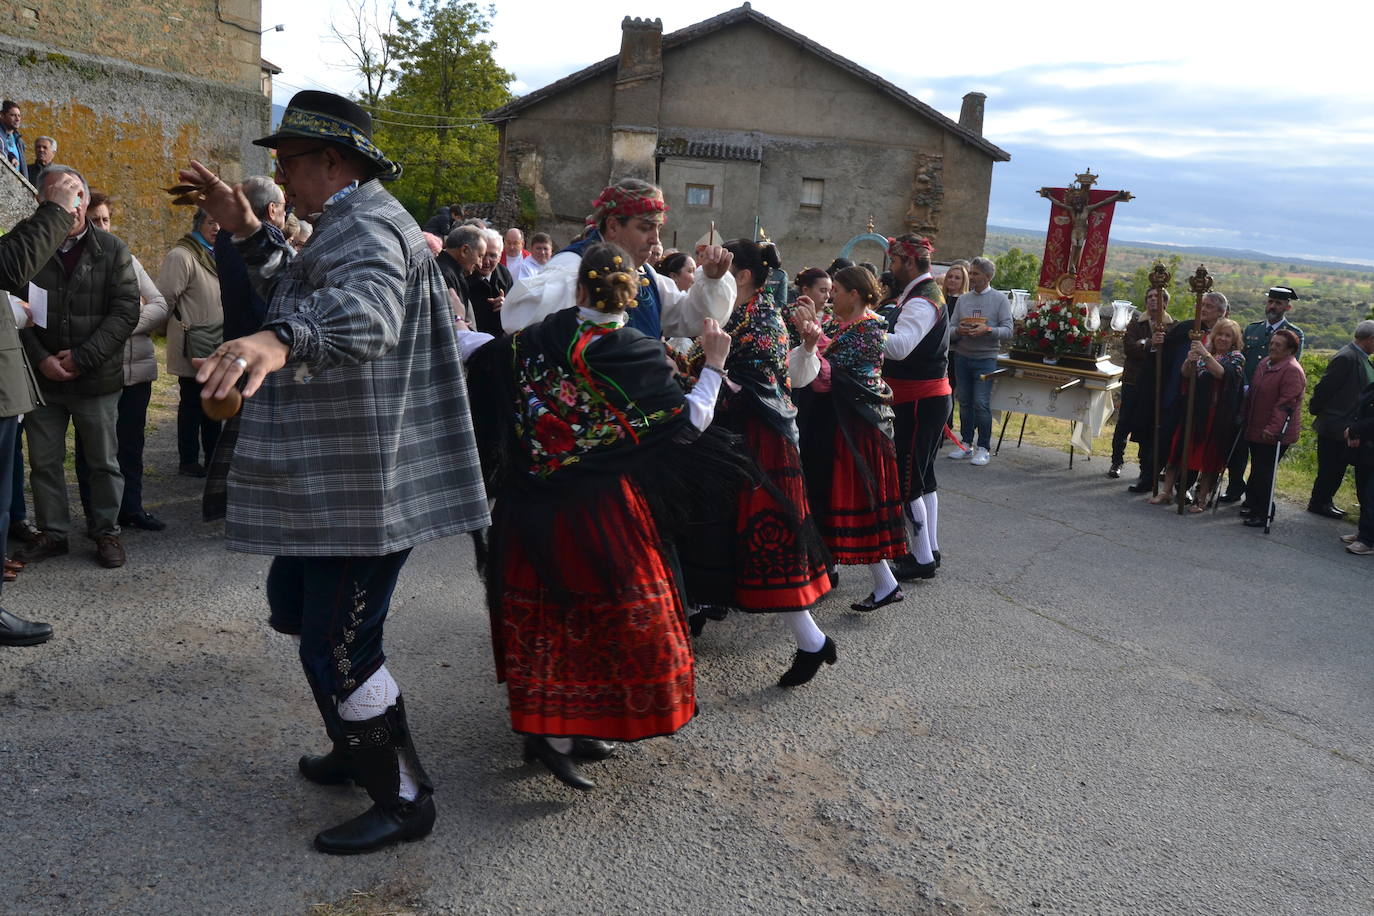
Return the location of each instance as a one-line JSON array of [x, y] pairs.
[[872, 603], [806, 664], [378, 827], [1141, 486], [1114, 471], [144, 520], [908, 568], [560, 765], [41, 548], [193, 469], [15, 631], [592, 749], [696, 623], [1328, 510], [1245, 511], [331, 769], [936, 554], [1230, 496], [834, 574], [1255, 521]]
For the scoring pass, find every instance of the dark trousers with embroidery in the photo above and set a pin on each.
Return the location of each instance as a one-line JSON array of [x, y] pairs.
[[337, 606]]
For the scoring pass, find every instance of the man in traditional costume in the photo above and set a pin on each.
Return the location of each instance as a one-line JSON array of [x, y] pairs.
[[916, 367], [355, 443], [630, 214]]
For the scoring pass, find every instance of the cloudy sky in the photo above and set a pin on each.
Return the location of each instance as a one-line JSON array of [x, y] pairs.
[[1233, 126]]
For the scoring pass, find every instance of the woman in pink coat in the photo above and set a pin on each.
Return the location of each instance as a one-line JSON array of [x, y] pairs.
[[1275, 398]]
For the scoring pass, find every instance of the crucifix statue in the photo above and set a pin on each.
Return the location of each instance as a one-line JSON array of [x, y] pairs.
[[1078, 209]]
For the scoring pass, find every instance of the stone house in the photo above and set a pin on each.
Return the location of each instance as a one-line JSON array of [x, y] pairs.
[[746, 123], [131, 93]]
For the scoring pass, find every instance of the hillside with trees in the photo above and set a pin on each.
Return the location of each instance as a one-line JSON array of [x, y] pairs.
[[1334, 296]]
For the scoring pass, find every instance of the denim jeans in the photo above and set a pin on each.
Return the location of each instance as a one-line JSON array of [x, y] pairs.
[[975, 397]]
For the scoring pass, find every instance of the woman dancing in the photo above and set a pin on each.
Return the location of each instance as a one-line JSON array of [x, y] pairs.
[[593, 454], [845, 416]]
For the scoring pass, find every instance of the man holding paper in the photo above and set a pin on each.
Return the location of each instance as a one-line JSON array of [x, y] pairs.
[[23, 249]]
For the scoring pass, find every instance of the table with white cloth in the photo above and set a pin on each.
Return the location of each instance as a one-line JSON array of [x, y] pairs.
[[1078, 390]]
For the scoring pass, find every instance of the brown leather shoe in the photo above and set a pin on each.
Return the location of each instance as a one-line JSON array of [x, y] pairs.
[[109, 553], [40, 548]]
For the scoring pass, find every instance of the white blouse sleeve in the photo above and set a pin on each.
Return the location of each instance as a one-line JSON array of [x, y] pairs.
[[701, 400], [803, 366]]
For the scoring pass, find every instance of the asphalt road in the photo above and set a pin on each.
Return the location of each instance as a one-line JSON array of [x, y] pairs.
[[1097, 707]]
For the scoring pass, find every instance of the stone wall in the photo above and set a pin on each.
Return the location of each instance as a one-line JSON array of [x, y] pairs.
[[127, 127]]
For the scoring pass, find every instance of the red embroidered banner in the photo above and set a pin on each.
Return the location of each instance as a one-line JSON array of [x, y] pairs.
[[1092, 223]]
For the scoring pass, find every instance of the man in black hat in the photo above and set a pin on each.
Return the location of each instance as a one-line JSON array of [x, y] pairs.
[[1257, 336], [359, 386]]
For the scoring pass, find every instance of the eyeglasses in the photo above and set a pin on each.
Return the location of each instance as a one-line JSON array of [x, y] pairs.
[[282, 160]]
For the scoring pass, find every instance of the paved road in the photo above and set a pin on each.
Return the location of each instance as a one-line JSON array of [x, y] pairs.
[[1098, 707]]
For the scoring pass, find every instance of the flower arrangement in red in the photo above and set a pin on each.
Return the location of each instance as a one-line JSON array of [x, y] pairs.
[[1059, 328]]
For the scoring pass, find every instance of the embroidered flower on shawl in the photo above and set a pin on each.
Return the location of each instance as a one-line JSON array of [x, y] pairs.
[[563, 415], [858, 349]]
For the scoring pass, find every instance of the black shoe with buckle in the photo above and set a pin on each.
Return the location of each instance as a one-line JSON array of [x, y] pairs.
[[1231, 496], [1115, 470], [146, 521], [908, 568]]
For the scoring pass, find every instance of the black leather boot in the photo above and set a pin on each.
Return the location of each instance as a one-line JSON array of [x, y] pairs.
[[373, 745], [331, 769]]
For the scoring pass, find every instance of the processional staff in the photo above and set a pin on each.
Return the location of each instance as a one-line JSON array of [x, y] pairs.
[[1160, 278], [1201, 284]]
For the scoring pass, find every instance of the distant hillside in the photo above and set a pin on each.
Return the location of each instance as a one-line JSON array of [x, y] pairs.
[[1333, 297], [1030, 240]]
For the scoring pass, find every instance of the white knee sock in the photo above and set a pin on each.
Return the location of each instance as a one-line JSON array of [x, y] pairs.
[[373, 697], [918, 537], [932, 501], [562, 745], [883, 580], [809, 637]]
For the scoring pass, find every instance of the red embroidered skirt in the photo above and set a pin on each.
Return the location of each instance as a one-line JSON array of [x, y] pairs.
[[595, 658], [775, 571], [863, 523]]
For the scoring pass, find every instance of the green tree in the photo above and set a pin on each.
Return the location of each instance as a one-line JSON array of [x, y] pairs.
[[443, 79], [1017, 269]]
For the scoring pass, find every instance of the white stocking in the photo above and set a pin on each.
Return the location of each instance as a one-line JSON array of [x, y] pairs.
[[883, 580], [374, 697], [932, 501], [918, 537], [809, 637]]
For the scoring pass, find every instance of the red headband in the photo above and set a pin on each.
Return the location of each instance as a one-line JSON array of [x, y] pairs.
[[921, 248], [615, 202]]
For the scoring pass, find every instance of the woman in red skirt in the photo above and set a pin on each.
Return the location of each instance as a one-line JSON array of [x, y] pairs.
[[776, 561], [845, 416], [592, 453]]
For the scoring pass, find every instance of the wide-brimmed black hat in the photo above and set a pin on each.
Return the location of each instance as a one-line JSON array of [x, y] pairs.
[[314, 115]]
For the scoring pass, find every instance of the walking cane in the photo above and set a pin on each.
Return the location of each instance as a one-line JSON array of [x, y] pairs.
[[1159, 279], [1274, 480], [1221, 478], [1200, 283]]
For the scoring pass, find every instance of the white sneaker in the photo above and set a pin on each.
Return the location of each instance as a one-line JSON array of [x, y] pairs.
[[960, 451], [980, 457]]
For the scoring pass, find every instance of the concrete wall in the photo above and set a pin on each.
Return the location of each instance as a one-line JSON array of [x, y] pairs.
[[560, 151], [734, 204], [128, 128]]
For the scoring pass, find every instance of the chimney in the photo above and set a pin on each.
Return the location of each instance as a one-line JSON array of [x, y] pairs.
[[634, 109], [971, 114]]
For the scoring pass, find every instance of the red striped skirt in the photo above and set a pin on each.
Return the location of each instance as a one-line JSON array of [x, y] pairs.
[[863, 523], [596, 658], [775, 569]]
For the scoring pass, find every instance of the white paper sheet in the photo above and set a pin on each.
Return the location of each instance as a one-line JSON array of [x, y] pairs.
[[21, 318], [38, 305]]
